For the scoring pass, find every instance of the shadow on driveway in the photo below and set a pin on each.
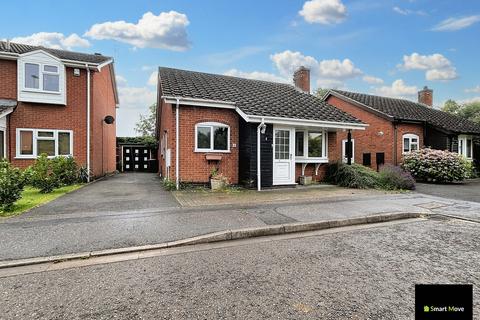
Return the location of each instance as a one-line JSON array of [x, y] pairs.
[[468, 191], [121, 192]]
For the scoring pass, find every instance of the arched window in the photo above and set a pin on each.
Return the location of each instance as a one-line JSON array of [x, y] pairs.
[[212, 137], [411, 142]]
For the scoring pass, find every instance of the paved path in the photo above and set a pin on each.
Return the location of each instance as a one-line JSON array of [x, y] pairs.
[[360, 274], [468, 191]]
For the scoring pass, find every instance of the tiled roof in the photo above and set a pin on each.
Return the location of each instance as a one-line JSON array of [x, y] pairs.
[[61, 54], [402, 109], [253, 97]]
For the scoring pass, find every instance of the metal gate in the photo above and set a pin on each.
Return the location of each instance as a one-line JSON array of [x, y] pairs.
[[136, 158]]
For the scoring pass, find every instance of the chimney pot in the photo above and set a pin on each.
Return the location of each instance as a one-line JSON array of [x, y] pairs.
[[301, 79], [425, 96]]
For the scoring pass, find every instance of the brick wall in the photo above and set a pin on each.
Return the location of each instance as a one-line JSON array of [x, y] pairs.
[[193, 165], [103, 135], [378, 137], [41, 116]]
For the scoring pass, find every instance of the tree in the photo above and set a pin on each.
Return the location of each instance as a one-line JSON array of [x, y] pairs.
[[451, 106], [146, 125], [320, 92], [469, 111]]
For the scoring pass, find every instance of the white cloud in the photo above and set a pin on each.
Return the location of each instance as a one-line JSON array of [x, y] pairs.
[[454, 24], [55, 40], [147, 68], [153, 79], [165, 31], [473, 90], [329, 73], [121, 81], [407, 12], [324, 11], [437, 67], [256, 75], [372, 79], [398, 89], [470, 100], [231, 56], [136, 97]]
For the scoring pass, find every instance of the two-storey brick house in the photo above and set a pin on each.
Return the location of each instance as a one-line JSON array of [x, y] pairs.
[[56, 102]]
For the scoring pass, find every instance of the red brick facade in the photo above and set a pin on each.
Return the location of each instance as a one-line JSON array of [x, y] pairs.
[[194, 167], [72, 116], [378, 137]]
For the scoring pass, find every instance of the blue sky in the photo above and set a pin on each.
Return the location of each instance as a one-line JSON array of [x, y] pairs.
[[390, 47]]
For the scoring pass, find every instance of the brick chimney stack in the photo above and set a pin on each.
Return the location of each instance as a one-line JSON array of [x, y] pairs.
[[301, 79], [425, 96]]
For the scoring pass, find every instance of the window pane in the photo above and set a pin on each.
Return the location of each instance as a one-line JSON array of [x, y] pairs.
[[469, 148], [50, 68], [314, 144], [282, 144], [26, 142], [2, 144], [46, 146], [32, 75], [220, 138], [64, 143], [299, 144], [51, 82], [47, 134], [203, 137], [406, 145]]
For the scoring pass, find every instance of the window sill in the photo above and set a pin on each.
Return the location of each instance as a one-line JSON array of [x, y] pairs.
[[311, 160], [41, 91], [211, 151]]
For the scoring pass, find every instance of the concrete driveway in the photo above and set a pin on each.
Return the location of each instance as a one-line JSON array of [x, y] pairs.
[[122, 192], [468, 191]]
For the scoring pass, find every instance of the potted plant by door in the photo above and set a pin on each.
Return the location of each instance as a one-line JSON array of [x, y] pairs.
[[218, 181]]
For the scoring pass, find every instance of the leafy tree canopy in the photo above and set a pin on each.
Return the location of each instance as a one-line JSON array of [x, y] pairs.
[[146, 125], [470, 111], [320, 92]]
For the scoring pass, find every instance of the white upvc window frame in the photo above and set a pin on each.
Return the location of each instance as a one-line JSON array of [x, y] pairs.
[[305, 144], [410, 136], [212, 125], [462, 146], [344, 155], [35, 138], [42, 72]]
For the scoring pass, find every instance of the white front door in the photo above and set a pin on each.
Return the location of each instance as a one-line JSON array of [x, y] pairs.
[[283, 156]]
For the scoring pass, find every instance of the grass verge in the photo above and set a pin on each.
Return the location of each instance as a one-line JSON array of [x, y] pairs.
[[32, 198]]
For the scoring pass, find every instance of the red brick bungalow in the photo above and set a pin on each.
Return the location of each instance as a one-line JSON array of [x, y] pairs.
[[56, 102], [261, 133], [397, 126]]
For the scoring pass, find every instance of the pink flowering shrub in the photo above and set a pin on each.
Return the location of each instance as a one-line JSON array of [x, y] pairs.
[[435, 165]]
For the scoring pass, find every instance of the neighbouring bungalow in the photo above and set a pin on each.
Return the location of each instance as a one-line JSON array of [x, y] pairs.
[[257, 133], [398, 126]]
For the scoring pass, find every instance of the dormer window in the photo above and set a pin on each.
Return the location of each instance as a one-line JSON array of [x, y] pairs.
[[41, 78]]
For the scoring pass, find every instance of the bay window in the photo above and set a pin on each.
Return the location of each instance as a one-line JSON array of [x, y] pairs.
[[33, 142], [212, 137], [310, 144], [410, 142]]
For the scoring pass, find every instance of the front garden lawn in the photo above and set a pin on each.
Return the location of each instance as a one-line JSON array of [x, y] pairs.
[[32, 198]]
